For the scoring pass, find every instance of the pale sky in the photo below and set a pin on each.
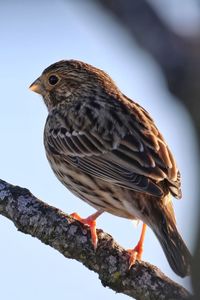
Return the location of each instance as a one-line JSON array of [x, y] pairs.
[[35, 34]]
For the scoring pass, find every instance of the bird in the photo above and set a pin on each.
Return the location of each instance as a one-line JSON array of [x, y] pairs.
[[106, 149]]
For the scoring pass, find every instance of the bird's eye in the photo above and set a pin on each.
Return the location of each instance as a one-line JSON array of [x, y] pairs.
[[53, 79]]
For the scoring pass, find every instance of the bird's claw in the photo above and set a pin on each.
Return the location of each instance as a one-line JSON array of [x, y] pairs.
[[91, 223]]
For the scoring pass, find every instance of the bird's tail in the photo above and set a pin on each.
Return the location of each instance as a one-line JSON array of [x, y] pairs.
[[176, 251]]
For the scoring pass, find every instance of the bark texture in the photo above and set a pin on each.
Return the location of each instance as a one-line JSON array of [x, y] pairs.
[[72, 239]]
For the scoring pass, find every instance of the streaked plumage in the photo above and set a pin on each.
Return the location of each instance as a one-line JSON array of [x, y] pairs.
[[106, 149]]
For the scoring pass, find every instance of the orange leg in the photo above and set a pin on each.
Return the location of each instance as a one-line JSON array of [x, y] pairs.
[[136, 253], [91, 222]]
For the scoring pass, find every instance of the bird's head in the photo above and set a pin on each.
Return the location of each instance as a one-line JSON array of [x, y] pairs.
[[69, 80]]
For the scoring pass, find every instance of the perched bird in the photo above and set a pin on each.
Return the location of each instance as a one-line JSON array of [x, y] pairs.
[[106, 149]]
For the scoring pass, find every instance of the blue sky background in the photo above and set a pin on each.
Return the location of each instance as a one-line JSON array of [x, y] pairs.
[[35, 34]]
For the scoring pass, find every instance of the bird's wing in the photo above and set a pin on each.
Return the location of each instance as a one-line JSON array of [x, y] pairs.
[[124, 147]]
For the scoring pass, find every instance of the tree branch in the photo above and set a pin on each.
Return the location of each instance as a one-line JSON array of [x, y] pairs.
[[178, 56], [72, 239]]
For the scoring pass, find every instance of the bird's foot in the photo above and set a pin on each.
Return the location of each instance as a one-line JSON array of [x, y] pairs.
[[91, 223], [136, 253]]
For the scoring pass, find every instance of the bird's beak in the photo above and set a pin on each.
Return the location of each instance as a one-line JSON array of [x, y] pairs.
[[36, 86]]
